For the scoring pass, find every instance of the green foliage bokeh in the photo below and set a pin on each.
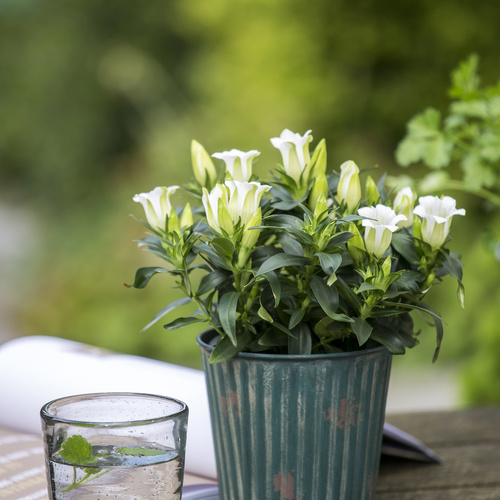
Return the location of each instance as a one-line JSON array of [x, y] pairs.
[[100, 100]]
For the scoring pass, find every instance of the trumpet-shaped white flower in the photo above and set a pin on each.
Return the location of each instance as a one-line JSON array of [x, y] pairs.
[[294, 149], [349, 187], [436, 214], [232, 202], [381, 221], [403, 204], [157, 205], [238, 163], [213, 203], [244, 199]]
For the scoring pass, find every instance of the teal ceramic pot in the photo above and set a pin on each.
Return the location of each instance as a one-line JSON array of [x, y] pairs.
[[297, 427]]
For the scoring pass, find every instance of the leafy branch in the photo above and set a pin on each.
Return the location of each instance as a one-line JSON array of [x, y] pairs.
[[468, 135]]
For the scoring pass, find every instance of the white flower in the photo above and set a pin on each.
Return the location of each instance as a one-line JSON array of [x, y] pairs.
[[403, 204], [232, 202], [379, 225], [217, 198], [157, 205], [349, 187], [238, 163], [244, 199], [436, 214], [294, 149]]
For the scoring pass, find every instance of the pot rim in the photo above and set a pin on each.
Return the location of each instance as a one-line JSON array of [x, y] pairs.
[[205, 337]]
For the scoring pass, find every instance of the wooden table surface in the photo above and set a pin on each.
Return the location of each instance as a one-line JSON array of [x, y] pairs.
[[469, 443]]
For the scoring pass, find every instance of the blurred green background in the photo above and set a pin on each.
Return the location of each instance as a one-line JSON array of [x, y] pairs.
[[100, 100]]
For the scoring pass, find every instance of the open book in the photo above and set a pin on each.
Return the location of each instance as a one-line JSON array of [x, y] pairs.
[[38, 369]]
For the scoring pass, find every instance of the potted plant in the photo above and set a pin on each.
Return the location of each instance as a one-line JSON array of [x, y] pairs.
[[308, 285]]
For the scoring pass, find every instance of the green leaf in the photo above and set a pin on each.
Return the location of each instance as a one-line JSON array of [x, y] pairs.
[[348, 294], [77, 450], [329, 262], [425, 125], [290, 245], [296, 318], [262, 313], [367, 287], [390, 340], [402, 243], [465, 80], [327, 296], [301, 343], [438, 324], [207, 252], [425, 141], [139, 452], [282, 260], [182, 322], [273, 338], [362, 330], [477, 108], [275, 284], [212, 280], [228, 305], [340, 238], [225, 349], [166, 310], [223, 246], [328, 328], [144, 274], [451, 262], [477, 173]]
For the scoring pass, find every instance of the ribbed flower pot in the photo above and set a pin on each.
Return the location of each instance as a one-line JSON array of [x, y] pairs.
[[297, 427]]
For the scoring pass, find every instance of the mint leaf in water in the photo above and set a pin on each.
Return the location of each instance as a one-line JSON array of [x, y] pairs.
[[139, 452], [76, 449]]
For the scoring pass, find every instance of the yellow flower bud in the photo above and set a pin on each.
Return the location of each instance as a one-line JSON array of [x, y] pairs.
[[187, 216], [319, 190], [356, 245], [203, 166], [349, 187], [372, 193]]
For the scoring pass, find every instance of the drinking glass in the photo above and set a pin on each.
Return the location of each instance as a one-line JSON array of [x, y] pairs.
[[114, 445]]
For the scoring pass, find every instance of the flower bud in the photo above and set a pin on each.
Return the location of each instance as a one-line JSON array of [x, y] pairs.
[[203, 166], [238, 163], [403, 204], [187, 216], [250, 236], [386, 266], [349, 187], [320, 208], [381, 221], [157, 206], [436, 214], [319, 190], [318, 159], [371, 192], [356, 245]]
